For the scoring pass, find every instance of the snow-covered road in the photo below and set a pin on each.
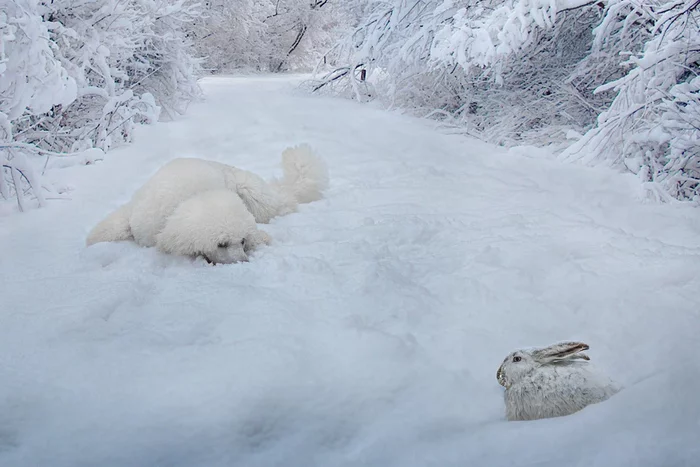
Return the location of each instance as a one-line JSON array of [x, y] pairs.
[[370, 332]]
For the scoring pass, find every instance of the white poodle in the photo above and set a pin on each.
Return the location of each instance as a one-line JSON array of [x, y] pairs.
[[197, 207]]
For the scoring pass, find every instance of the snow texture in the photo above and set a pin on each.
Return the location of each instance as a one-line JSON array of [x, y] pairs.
[[370, 331]]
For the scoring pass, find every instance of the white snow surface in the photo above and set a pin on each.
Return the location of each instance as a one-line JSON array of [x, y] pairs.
[[370, 331]]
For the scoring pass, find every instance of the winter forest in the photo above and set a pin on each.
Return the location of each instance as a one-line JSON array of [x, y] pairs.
[[601, 82], [342, 233]]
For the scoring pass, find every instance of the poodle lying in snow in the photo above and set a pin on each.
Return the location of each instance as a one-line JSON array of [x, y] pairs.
[[195, 207]]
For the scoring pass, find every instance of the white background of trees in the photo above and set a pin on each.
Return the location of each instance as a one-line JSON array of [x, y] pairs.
[[612, 82]]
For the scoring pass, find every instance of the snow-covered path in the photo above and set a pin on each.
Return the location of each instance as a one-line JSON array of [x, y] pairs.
[[370, 332]]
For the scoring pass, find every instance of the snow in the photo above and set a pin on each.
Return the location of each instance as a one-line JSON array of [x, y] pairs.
[[370, 331]]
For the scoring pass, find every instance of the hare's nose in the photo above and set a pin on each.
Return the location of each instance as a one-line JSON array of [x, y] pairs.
[[500, 378]]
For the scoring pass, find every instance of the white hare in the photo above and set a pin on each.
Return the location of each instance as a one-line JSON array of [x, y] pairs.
[[551, 382]]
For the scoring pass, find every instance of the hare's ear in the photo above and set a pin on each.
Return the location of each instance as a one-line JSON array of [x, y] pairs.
[[561, 351]]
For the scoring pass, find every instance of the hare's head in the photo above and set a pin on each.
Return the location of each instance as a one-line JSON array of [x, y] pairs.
[[522, 362]]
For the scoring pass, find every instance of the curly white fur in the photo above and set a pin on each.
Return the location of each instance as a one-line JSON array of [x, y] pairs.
[[190, 205], [551, 382]]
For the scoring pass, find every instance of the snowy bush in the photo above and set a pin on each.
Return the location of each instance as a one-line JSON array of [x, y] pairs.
[[130, 60], [652, 126], [470, 62], [78, 75], [530, 71], [32, 84]]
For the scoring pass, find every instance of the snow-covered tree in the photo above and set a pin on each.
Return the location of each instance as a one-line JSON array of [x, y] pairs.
[[229, 35], [652, 126], [33, 83], [78, 75], [467, 61], [267, 35], [130, 60], [533, 70]]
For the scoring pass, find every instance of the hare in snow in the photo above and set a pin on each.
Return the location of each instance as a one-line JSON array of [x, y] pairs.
[[551, 382]]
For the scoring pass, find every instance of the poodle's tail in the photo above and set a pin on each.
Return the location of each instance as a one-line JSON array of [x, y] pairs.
[[305, 174], [113, 228]]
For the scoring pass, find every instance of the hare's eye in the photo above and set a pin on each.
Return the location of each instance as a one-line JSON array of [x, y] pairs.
[[223, 245], [243, 242], [516, 359]]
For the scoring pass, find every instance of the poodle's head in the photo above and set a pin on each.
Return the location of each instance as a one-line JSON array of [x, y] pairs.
[[226, 252], [215, 225]]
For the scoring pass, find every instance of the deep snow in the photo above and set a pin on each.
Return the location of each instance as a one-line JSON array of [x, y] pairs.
[[370, 332]]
